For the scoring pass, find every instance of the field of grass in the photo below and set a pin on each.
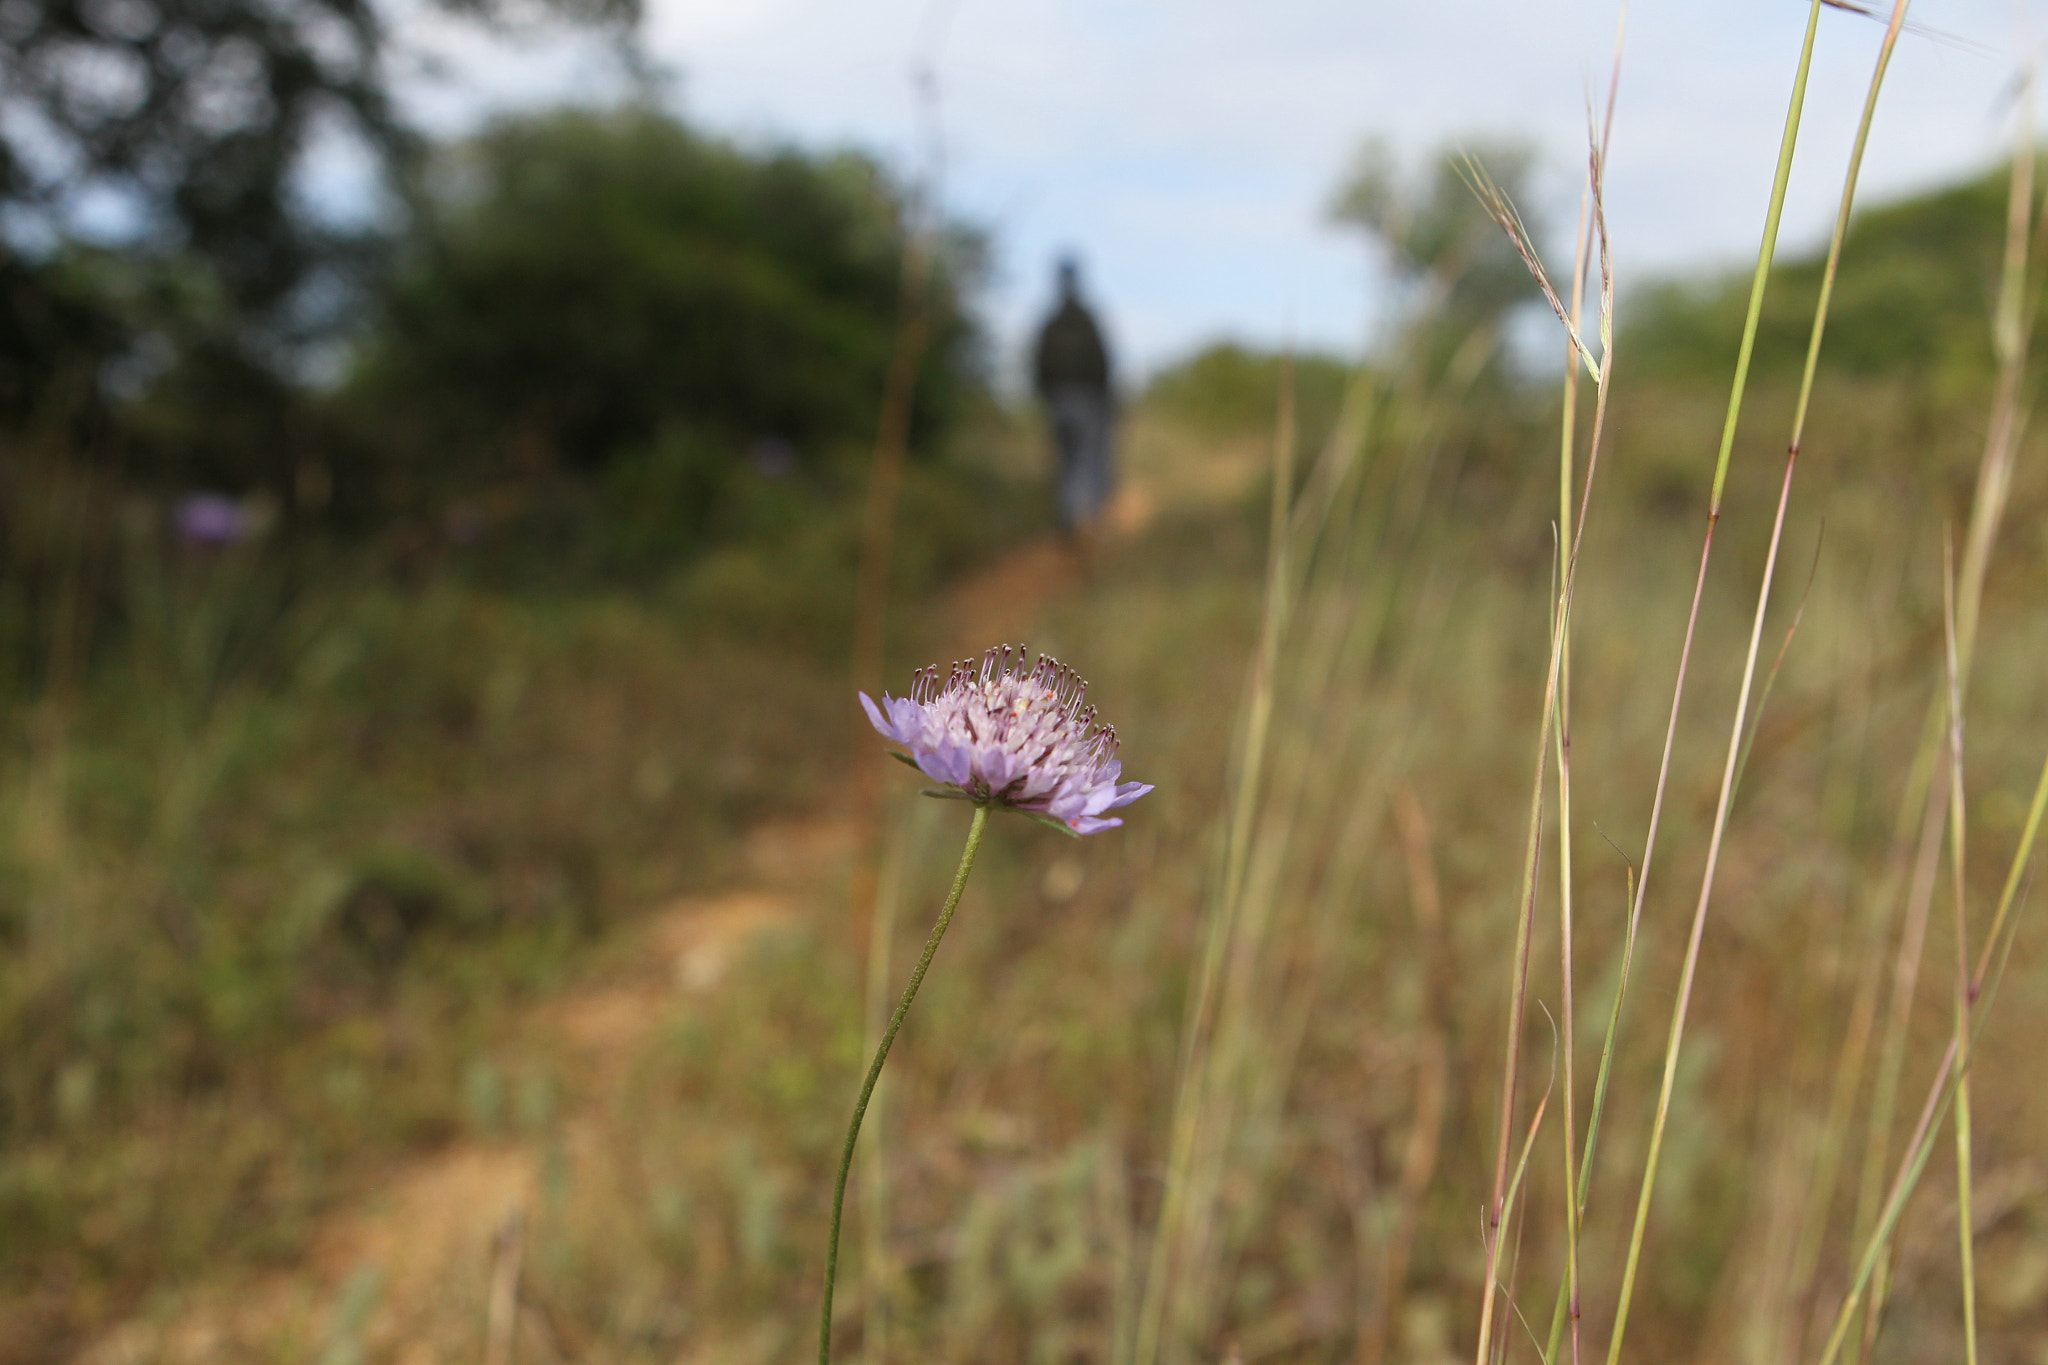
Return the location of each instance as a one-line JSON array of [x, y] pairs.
[[429, 961], [307, 929]]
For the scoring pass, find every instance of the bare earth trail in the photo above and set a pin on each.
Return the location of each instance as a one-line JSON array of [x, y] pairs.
[[404, 1273]]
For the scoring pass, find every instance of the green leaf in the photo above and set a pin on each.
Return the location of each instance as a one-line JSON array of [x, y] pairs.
[[905, 759], [947, 794]]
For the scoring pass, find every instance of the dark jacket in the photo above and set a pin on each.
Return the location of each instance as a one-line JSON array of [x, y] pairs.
[[1070, 352]]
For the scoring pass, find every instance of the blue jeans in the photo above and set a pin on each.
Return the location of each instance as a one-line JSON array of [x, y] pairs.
[[1080, 430]]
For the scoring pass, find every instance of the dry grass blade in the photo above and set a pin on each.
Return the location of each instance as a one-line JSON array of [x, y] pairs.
[[1990, 964], [2011, 337], [1514, 1191], [1503, 212], [1957, 825], [1552, 725], [1192, 1099], [1714, 844], [1777, 663], [1425, 1135]]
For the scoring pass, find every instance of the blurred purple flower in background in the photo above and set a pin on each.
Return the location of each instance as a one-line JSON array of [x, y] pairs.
[[210, 519], [1011, 735], [772, 457]]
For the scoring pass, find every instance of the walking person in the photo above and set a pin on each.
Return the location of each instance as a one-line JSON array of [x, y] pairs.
[[1071, 374]]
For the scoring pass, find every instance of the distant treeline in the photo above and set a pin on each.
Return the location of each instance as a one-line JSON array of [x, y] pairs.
[[1914, 298], [609, 300]]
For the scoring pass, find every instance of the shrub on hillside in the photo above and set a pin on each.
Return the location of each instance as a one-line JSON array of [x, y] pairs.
[[589, 290], [1915, 291]]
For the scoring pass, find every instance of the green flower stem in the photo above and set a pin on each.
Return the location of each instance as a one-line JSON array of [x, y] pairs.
[[867, 1088]]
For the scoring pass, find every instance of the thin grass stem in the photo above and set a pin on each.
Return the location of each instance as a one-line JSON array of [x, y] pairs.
[[1771, 679], [1765, 255], [2011, 336], [1191, 1100], [1997, 944], [1497, 1209], [867, 1087], [1504, 214], [1965, 1225], [1506, 1292]]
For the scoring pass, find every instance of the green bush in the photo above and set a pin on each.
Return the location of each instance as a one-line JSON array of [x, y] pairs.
[[585, 291], [1228, 387]]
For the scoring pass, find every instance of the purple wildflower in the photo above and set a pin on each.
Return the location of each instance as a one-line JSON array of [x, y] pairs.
[[211, 520], [1006, 733]]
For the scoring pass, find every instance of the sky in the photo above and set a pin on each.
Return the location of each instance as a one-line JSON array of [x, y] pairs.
[[1187, 149]]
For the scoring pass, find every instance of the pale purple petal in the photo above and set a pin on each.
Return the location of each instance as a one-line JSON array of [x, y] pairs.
[[1100, 799], [999, 768], [1014, 734], [1038, 784], [947, 762], [1069, 806], [908, 717]]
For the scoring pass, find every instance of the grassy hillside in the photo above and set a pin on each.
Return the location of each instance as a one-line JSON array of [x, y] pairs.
[[339, 926], [1913, 301]]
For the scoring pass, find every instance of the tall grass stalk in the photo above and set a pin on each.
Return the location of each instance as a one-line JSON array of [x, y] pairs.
[[1687, 974], [1965, 1225], [1566, 466], [867, 1087], [1738, 746], [1592, 227], [2012, 329], [1808, 375], [877, 1270], [1565, 578], [1300, 811], [1248, 770], [1997, 944]]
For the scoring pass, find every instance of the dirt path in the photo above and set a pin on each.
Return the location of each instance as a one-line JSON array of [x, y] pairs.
[[401, 1272], [405, 1273]]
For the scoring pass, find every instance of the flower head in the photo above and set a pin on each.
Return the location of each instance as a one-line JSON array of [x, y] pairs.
[[1008, 733]]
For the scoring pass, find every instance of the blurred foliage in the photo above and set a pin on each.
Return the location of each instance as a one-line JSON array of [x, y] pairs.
[[183, 132], [169, 278], [1230, 389], [613, 292], [56, 331], [186, 126], [1914, 297], [1459, 271], [611, 345], [274, 865], [303, 839]]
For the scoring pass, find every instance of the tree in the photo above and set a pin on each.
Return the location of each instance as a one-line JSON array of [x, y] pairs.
[[152, 159], [181, 125], [583, 291], [1460, 271]]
